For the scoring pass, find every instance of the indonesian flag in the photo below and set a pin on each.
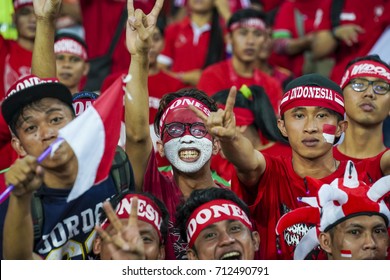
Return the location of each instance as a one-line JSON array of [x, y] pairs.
[[93, 136], [329, 132], [346, 253]]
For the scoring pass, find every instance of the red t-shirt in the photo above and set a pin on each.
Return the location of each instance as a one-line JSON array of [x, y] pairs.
[[285, 27], [369, 14], [340, 156], [221, 76], [165, 189], [158, 85], [225, 169], [277, 194], [15, 62], [180, 49], [100, 20]]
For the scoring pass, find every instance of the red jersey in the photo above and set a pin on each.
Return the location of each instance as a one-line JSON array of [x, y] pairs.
[[369, 14], [158, 85], [277, 194], [286, 26], [15, 62], [225, 169], [100, 20], [221, 76], [340, 156], [183, 50], [165, 189]]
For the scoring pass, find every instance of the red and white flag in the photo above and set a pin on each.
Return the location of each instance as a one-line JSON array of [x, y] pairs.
[[329, 132], [346, 253], [93, 136]]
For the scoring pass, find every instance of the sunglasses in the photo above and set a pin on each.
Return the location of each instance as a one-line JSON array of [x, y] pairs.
[[177, 129], [379, 87]]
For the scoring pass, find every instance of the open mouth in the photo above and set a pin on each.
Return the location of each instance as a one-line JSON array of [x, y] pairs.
[[231, 256], [189, 155]]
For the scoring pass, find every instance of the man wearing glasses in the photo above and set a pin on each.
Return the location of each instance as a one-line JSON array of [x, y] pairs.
[[366, 85]]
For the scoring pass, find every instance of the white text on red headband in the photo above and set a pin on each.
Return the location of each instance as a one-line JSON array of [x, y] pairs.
[[365, 68], [248, 23], [145, 211], [212, 212], [307, 93], [29, 82], [70, 46], [20, 3], [183, 102]]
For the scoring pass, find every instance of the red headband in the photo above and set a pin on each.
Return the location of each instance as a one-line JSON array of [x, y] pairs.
[[70, 46], [312, 96], [183, 102], [243, 116], [212, 212], [247, 23], [21, 3], [365, 68], [148, 211]]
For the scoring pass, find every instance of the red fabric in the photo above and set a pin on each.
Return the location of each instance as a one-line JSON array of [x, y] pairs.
[[341, 157], [285, 21], [276, 194], [225, 169], [364, 15], [7, 154], [217, 77], [15, 62], [158, 85], [100, 20], [180, 48]]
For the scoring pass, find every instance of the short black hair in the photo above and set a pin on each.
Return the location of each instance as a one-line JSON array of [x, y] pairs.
[[200, 197], [246, 13]]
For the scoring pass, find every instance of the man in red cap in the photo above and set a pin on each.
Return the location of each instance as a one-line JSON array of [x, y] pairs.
[[351, 218]]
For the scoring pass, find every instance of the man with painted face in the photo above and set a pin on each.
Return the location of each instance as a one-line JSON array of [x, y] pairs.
[[185, 142], [227, 234], [312, 112], [351, 217]]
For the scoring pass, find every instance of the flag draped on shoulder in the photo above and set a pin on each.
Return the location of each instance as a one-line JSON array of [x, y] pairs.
[[93, 136]]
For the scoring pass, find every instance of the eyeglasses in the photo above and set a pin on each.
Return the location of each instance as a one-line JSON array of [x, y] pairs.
[[177, 129], [379, 87]]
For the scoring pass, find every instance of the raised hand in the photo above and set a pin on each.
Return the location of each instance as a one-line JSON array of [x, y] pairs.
[[25, 175], [139, 27], [47, 9], [221, 124], [125, 243]]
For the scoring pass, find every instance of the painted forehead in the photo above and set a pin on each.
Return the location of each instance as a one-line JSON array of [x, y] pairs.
[[184, 115]]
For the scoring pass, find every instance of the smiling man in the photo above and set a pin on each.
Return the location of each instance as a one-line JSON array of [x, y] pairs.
[[217, 226]]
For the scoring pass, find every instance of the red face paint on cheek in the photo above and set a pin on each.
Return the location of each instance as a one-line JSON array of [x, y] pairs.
[[329, 131], [346, 253]]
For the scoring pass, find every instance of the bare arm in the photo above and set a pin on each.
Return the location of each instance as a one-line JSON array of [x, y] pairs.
[[139, 29], [323, 44], [249, 163], [295, 45], [43, 60], [18, 238], [385, 163]]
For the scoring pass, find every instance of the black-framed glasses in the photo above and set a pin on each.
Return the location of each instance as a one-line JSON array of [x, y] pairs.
[[378, 86], [177, 129]]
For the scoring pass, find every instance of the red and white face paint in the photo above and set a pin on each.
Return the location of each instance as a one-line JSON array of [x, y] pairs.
[[213, 212], [365, 68], [346, 254], [329, 131]]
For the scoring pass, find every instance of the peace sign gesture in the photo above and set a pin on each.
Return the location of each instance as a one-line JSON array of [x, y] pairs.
[[125, 243], [221, 124], [139, 27]]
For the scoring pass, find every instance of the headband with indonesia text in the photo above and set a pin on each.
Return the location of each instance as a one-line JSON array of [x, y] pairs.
[[365, 68], [312, 96], [181, 103], [247, 23], [212, 212], [21, 3], [70, 46], [148, 211]]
